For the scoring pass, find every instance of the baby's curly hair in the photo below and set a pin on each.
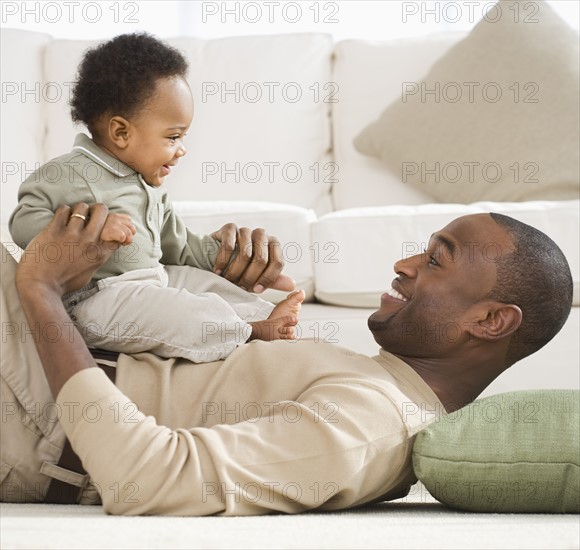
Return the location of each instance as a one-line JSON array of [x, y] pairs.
[[119, 76]]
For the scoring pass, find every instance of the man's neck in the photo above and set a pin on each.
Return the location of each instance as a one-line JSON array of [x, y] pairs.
[[456, 382]]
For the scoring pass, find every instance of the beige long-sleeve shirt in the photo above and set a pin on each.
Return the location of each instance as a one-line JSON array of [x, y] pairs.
[[276, 427]]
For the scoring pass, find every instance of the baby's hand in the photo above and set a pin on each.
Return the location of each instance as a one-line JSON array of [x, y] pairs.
[[118, 228]]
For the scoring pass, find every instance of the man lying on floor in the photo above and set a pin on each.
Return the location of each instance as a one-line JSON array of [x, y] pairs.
[[278, 426]]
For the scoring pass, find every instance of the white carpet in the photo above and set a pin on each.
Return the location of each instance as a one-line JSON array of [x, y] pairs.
[[414, 522]]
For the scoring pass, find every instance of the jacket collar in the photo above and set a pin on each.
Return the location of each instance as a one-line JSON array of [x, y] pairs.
[[85, 145]]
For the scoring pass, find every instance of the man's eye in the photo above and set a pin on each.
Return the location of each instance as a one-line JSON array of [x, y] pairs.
[[432, 260]]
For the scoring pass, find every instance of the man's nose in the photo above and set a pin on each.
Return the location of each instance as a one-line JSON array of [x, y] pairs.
[[408, 266]]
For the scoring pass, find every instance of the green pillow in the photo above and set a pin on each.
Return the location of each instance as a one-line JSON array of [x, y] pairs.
[[512, 452]]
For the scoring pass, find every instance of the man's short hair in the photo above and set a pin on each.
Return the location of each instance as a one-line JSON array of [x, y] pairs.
[[536, 277]]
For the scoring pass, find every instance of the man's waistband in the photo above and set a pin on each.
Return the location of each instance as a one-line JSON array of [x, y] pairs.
[[60, 492]]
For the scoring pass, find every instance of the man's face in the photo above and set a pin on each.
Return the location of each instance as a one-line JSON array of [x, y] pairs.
[[156, 138], [436, 294]]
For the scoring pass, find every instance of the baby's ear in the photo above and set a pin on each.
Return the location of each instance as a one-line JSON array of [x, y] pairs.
[[118, 129]]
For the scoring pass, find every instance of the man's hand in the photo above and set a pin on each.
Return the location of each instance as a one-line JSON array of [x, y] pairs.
[[258, 261], [65, 255], [118, 228]]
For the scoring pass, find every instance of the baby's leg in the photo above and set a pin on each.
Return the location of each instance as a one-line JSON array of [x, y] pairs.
[[246, 305], [133, 317]]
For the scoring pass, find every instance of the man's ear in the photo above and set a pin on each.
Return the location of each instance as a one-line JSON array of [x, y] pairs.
[[501, 321], [119, 129]]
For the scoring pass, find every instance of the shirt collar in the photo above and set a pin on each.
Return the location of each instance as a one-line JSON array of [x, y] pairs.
[[428, 406], [85, 145]]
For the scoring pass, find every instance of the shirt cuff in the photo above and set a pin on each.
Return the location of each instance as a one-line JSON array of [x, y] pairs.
[[85, 388]]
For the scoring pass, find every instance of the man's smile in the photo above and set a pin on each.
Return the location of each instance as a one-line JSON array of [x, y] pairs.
[[395, 293]]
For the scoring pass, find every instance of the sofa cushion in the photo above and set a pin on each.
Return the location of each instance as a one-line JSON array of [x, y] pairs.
[[513, 452], [496, 118], [23, 110], [354, 250], [258, 130], [368, 76], [290, 224]]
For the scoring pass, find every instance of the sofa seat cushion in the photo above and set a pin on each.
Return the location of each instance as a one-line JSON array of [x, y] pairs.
[[354, 250], [290, 224]]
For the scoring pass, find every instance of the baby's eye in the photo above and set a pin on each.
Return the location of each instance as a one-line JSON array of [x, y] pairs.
[[174, 138]]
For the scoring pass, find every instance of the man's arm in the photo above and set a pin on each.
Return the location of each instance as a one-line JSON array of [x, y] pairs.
[[251, 259], [45, 273]]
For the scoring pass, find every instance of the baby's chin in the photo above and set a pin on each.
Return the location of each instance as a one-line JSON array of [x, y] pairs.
[[154, 181]]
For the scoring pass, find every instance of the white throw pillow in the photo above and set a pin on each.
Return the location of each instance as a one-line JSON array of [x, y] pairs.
[[497, 116]]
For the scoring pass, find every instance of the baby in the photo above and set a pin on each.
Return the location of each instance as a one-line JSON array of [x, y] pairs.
[[158, 292]]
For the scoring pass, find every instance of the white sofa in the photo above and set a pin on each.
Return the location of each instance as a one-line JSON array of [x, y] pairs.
[[271, 145]]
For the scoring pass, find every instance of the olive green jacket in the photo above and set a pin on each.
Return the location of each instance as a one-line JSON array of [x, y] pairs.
[[91, 175]]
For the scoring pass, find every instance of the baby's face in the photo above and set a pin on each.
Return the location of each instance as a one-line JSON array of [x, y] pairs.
[[156, 144]]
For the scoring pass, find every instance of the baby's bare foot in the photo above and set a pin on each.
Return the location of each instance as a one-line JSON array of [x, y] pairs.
[[289, 306], [281, 322], [281, 328]]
